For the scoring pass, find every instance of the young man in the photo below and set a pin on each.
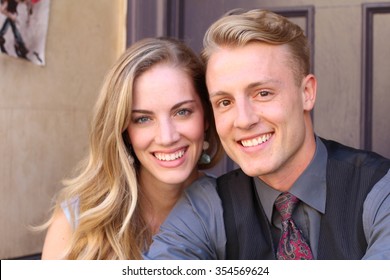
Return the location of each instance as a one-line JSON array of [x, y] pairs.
[[262, 94]]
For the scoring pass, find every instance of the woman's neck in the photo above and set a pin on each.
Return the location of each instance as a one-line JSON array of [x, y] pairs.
[[158, 198]]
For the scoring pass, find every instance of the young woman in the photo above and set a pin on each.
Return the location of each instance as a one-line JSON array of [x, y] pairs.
[[152, 131]]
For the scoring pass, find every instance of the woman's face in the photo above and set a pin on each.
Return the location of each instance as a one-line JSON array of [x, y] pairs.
[[167, 125]]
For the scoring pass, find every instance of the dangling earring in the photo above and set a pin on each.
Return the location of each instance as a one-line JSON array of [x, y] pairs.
[[205, 158], [130, 158]]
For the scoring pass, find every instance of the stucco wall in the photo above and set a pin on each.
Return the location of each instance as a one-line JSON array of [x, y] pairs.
[[45, 113]]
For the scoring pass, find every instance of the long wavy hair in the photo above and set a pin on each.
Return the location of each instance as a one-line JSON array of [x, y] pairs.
[[109, 221]]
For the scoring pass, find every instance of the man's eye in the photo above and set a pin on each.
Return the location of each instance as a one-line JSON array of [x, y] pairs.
[[224, 103], [264, 93]]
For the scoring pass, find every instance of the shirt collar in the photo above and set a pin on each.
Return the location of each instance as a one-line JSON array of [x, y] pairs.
[[310, 187]]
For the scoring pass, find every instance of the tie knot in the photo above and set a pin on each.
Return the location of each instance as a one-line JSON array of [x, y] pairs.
[[285, 204]]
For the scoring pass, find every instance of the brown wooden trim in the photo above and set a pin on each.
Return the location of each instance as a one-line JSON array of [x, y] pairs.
[[307, 12], [366, 115], [169, 20], [130, 22], [175, 22]]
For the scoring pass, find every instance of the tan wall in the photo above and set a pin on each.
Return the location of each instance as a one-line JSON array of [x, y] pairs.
[[45, 113]]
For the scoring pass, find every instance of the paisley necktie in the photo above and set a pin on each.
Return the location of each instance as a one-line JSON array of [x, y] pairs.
[[292, 244]]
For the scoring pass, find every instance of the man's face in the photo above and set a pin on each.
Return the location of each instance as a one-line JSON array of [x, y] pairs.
[[262, 115]]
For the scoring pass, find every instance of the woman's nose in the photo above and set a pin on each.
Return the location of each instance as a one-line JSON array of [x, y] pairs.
[[167, 133]]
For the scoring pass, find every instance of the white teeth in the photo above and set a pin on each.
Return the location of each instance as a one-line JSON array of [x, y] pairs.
[[169, 157], [256, 141]]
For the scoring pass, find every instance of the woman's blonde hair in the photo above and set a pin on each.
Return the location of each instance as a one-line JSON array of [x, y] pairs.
[[237, 28], [109, 223]]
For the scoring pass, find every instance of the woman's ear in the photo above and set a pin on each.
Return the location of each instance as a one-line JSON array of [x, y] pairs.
[[206, 125], [309, 92], [126, 140]]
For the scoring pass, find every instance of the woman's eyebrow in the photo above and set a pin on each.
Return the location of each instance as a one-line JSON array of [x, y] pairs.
[[178, 105]]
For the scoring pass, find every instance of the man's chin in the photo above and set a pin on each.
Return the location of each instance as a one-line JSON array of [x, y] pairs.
[[252, 172]]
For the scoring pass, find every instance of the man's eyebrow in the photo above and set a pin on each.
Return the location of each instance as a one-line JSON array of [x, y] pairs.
[[248, 87], [217, 93], [265, 82]]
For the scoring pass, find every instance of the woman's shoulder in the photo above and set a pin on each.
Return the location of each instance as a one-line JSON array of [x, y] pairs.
[[204, 183], [71, 209], [203, 192]]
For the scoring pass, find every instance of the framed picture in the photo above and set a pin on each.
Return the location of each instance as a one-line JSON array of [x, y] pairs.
[[23, 29]]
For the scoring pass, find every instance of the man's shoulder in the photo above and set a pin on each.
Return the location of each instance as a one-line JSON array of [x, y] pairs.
[[367, 164], [341, 152]]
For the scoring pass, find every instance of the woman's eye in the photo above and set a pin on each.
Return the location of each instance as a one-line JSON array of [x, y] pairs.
[[183, 112], [143, 119]]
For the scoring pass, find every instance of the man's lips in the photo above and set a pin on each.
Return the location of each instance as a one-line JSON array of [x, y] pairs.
[[255, 141]]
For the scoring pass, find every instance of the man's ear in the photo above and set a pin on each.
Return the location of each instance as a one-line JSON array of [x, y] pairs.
[[309, 92]]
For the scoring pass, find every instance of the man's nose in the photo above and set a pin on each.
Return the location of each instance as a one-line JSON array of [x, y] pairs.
[[246, 114]]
